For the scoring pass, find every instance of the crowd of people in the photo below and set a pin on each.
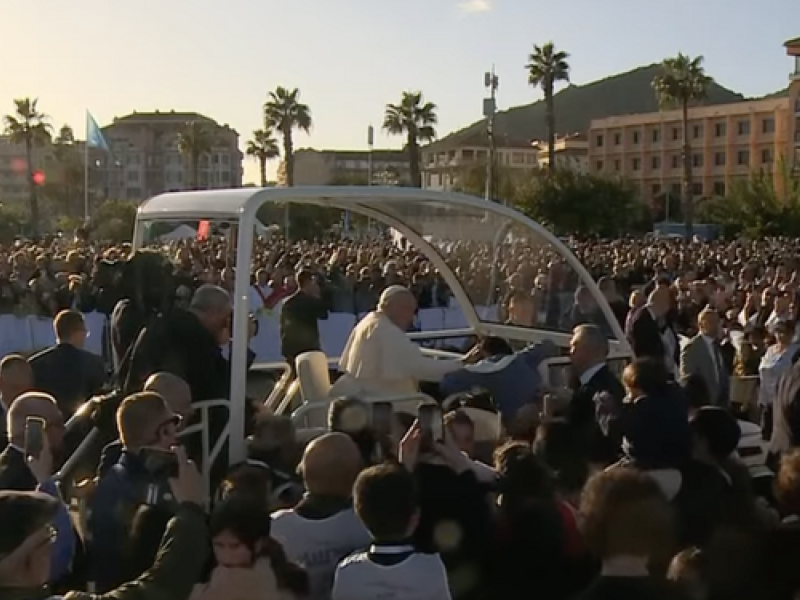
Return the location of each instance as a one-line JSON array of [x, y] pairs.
[[610, 486]]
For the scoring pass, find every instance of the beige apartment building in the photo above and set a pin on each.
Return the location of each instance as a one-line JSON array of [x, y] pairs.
[[350, 167], [443, 163], [572, 152], [145, 160], [728, 142]]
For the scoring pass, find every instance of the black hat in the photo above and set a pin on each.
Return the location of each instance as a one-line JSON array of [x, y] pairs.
[[21, 515]]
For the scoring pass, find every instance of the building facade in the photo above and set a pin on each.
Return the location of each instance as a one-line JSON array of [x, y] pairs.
[[445, 162], [572, 152], [145, 160], [728, 142], [350, 167]]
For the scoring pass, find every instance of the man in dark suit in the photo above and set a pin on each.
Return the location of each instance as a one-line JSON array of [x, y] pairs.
[[588, 353], [66, 371], [300, 317], [650, 333]]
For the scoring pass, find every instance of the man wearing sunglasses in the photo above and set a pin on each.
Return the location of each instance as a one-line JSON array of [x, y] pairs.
[[148, 431]]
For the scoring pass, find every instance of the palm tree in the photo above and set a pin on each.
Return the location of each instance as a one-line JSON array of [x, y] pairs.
[[546, 66], [284, 112], [681, 82], [28, 126], [415, 119], [70, 166], [263, 147], [194, 141]]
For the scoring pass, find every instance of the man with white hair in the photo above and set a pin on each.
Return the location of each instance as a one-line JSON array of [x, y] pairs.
[[380, 359]]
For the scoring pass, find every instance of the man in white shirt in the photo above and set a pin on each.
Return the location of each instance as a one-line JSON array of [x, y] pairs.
[[323, 528], [380, 359], [259, 292]]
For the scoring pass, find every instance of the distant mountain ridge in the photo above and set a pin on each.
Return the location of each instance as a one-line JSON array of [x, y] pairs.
[[577, 105]]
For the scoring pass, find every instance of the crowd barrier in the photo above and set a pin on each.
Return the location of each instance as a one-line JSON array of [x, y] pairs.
[[27, 334]]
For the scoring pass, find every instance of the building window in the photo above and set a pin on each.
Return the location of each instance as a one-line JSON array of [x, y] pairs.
[[719, 159], [676, 161], [635, 137], [719, 188], [598, 141], [467, 154], [637, 164], [766, 156], [617, 165], [697, 160], [697, 131], [656, 136], [518, 158], [768, 125], [656, 189], [720, 129], [617, 139], [697, 188], [656, 162], [743, 127], [133, 176], [599, 165], [676, 133], [743, 157]]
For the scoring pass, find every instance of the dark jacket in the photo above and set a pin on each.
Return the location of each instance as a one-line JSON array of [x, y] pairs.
[[300, 317], [178, 566], [119, 493], [14, 472], [786, 412], [71, 375], [645, 337], [600, 446]]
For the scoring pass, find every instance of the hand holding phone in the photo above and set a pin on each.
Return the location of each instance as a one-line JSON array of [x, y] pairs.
[[160, 463], [431, 426], [34, 437]]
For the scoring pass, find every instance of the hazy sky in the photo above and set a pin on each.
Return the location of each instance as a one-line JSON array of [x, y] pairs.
[[350, 57]]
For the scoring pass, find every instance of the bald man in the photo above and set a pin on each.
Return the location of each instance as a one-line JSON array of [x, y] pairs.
[[323, 527], [651, 333], [380, 359], [15, 474], [175, 392]]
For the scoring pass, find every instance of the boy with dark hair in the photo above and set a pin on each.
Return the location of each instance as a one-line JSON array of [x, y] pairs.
[[385, 499]]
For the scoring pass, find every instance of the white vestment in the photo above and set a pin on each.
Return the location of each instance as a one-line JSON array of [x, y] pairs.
[[380, 360]]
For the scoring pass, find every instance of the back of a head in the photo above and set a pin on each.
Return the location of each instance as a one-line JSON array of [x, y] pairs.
[[210, 298], [495, 346], [136, 416], [718, 429], [646, 376], [385, 499], [30, 404], [352, 416], [594, 338], [175, 391], [521, 474], [23, 515], [68, 323], [625, 513], [304, 277], [331, 464], [16, 375]]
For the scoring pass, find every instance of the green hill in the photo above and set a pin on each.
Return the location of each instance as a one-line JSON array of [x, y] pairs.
[[577, 105]]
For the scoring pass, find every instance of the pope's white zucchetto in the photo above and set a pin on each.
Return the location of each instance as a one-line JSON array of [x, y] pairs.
[[390, 292]]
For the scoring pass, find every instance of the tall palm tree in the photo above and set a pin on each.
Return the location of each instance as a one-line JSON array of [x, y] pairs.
[[263, 147], [194, 141], [415, 119], [681, 82], [284, 112], [70, 166], [547, 66], [30, 127]]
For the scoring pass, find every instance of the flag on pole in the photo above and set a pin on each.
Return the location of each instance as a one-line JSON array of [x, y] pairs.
[[94, 137]]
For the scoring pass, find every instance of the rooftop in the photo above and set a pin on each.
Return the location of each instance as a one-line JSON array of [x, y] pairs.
[[171, 116]]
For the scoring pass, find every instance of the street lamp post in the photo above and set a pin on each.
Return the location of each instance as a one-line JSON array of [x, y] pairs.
[[490, 82]]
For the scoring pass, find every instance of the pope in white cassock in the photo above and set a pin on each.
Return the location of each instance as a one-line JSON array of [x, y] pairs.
[[380, 359]]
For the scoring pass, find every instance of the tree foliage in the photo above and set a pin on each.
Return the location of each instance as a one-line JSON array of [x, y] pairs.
[[283, 112], [573, 203], [756, 207], [114, 221], [416, 119], [547, 66]]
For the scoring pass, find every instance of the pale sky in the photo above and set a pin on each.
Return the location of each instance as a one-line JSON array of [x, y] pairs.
[[351, 57]]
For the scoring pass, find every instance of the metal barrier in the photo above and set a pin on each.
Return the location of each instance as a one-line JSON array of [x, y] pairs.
[[303, 412], [210, 453]]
